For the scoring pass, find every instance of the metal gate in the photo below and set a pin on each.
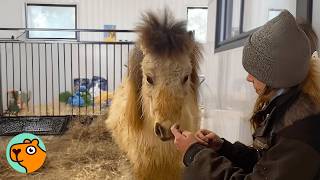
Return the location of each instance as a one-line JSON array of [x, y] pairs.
[[59, 77]]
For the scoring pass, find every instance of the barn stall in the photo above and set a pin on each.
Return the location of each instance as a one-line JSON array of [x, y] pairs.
[[61, 89]]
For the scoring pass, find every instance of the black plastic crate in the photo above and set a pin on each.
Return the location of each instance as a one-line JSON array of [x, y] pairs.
[[44, 125]]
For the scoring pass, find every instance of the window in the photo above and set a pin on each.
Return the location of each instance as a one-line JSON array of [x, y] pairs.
[[229, 20], [237, 19], [274, 13], [51, 16], [257, 12], [197, 22]]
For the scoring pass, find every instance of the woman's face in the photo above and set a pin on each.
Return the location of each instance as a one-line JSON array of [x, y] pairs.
[[258, 85]]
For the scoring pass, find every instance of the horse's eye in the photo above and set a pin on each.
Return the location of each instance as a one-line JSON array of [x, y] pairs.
[[185, 79], [150, 80]]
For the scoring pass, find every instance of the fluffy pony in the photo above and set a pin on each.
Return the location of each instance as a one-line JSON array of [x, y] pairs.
[[161, 89]]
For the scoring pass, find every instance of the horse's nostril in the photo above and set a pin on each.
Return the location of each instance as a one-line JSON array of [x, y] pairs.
[[159, 130], [16, 151]]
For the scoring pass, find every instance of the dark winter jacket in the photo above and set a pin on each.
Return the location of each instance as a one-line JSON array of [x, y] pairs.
[[286, 146]]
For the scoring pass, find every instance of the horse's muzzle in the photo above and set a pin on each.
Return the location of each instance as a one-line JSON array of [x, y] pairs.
[[163, 133]]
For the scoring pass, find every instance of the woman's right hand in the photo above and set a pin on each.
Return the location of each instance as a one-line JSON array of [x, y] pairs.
[[209, 138]]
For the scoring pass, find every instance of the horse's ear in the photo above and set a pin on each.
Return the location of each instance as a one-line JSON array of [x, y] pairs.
[[191, 35], [142, 49], [134, 105], [195, 57]]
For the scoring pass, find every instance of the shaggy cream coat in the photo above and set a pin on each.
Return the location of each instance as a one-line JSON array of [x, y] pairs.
[[167, 50]]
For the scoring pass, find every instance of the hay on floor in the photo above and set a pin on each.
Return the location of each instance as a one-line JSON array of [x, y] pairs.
[[59, 108], [62, 109], [83, 152]]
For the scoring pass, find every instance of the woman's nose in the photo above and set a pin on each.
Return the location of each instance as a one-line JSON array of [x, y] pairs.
[[249, 78]]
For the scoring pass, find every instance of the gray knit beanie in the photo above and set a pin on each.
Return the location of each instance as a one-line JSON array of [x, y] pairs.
[[278, 53]]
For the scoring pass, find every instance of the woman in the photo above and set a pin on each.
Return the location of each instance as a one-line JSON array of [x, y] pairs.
[[286, 119]]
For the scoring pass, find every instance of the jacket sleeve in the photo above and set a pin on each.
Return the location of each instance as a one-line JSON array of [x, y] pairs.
[[241, 155], [288, 159]]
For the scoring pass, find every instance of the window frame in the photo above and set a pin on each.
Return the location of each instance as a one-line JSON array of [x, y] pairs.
[[303, 10], [198, 7], [52, 5]]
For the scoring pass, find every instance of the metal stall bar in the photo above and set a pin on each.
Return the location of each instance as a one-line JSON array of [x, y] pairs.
[[39, 64], [27, 85], [6, 55], [92, 61], [86, 72], [58, 51], [120, 62], [46, 76], [100, 77], [32, 71], [71, 74], [13, 72], [64, 67], [107, 72], [20, 84], [52, 88], [114, 68], [79, 76], [1, 101]]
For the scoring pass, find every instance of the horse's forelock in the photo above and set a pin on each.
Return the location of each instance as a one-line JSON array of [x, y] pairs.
[[163, 35]]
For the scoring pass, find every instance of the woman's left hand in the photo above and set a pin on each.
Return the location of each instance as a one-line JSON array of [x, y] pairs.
[[183, 139]]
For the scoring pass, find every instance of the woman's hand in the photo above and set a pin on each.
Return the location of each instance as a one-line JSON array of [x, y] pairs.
[[205, 136], [209, 138], [183, 139]]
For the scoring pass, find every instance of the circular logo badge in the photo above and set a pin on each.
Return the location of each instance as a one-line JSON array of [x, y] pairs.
[[26, 153]]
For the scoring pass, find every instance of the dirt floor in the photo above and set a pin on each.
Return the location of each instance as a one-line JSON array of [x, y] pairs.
[[83, 152]]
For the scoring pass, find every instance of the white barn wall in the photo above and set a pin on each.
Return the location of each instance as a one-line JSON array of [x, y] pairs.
[[229, 97], [92, 14]]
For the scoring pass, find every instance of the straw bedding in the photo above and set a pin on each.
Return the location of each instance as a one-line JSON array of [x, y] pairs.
[[83, 152]]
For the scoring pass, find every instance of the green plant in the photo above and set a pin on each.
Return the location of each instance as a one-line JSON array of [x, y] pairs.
[[13, 107], [87, 98], [64, 96]]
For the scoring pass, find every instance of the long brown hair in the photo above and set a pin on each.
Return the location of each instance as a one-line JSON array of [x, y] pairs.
[[256, 119]]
